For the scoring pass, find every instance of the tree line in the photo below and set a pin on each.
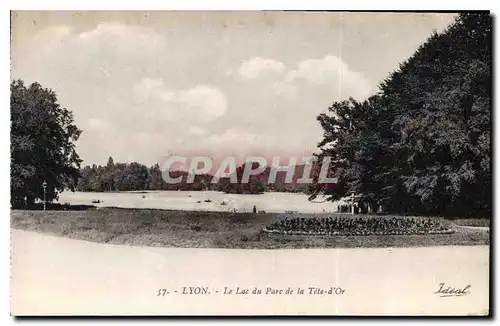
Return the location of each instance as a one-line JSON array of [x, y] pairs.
[[136, 176], [422, 143]]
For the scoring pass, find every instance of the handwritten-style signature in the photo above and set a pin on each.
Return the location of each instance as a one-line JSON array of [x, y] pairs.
[[450, 291]]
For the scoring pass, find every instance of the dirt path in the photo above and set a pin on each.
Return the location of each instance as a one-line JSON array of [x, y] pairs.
[[52, 275]]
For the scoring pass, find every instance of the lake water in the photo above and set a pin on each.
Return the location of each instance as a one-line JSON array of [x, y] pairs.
[[195, 200]]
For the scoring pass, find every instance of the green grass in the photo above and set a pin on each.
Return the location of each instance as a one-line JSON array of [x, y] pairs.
[[196, 229], [481, 222]]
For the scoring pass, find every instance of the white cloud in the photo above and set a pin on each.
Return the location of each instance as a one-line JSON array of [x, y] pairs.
[[331, 71], [105, 29], [148, 83], [114, 33], [148, 88], [230, 138], [258, 67], [283, 88], [197, 131], [54, 34], [98, 124], [208, 101], [201, 103]]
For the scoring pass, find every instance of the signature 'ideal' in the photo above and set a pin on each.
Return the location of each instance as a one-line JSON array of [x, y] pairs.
[[450, 291]]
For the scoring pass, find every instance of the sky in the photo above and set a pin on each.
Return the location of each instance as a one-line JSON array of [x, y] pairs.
[[143, 85]]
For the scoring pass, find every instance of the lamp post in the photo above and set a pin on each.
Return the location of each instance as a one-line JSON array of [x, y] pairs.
[[44, 185], [352, 203]]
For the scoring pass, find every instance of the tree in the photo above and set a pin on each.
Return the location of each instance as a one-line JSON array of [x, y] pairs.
[[43, 136], [256, 183], [109, 175], [156, 178], [133, 176], [84, 180], [422, 143]]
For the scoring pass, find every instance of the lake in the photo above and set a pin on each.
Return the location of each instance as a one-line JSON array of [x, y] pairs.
[[275, 202]]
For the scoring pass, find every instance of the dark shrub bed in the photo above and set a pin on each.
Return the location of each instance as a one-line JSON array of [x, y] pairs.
[[379, 225]]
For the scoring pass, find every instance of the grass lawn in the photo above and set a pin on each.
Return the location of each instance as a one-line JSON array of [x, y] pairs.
[[197, 229], [481, 222]]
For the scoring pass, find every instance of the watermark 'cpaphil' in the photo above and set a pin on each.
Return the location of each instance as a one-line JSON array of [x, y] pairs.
[[253, 166]]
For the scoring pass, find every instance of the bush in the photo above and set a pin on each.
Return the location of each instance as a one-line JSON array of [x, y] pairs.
[[383, 225], [195, 228]]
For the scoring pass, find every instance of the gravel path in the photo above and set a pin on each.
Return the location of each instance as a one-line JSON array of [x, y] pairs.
[[52, 275]]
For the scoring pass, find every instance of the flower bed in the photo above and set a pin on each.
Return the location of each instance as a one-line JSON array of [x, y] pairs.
[[380, 225]]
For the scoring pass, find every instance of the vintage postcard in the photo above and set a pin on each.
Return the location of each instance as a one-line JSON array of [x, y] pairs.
[[250, 163]]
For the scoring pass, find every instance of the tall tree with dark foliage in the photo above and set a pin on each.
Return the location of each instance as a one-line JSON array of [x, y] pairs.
[[422, 143], [43, 136]]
